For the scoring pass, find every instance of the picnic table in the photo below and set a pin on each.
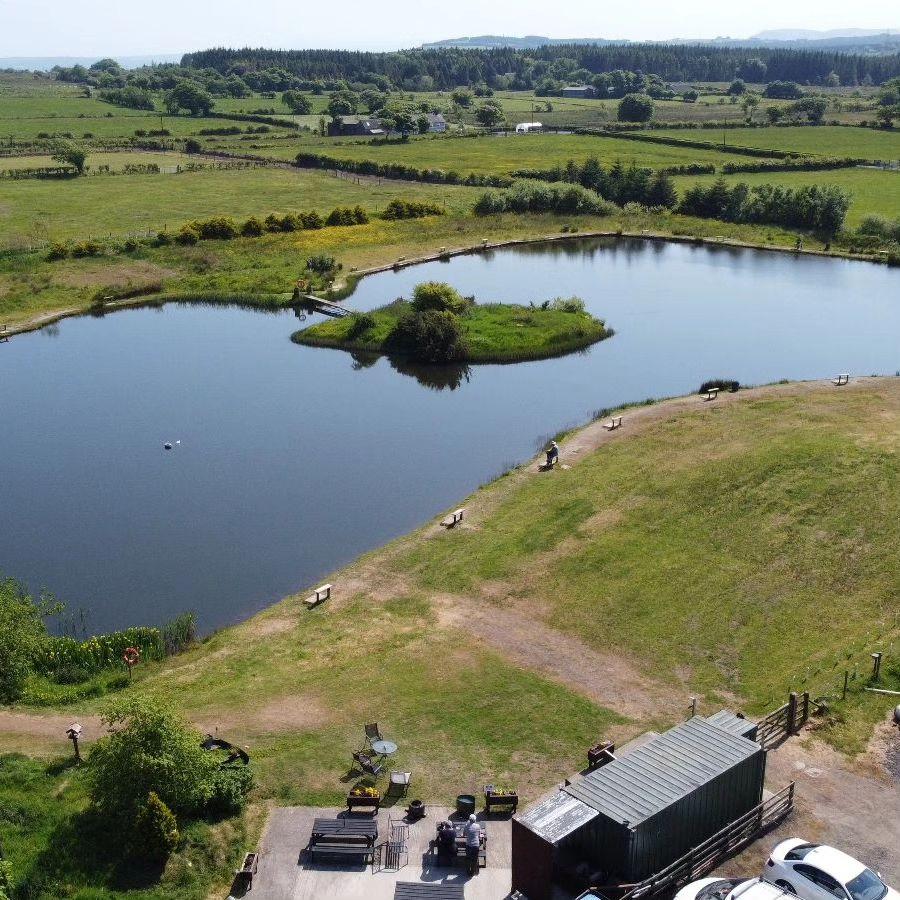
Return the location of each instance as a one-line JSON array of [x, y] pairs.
[[459, 830], [422, 890], [344, 837]]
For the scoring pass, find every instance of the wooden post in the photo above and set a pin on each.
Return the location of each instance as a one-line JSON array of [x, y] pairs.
[[876, 667], [791, 713], [846, 679]]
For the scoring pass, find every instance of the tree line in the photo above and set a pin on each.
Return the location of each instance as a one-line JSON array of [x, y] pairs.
[[523, 69]]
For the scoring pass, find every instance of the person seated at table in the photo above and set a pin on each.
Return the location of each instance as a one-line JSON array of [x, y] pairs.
[[446, 844], [473, 843]]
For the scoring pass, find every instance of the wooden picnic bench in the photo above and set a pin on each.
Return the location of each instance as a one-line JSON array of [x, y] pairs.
[[841, 380], [460, 844], [454, 518], [425, 890], [244, 875], [343, 837], [711, 393], [320, 595], [614, 423]]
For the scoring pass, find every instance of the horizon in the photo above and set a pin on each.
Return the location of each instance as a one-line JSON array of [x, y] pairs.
[[51, 29]]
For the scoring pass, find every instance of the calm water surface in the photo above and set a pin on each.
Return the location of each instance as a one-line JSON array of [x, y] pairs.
[[294, 460]]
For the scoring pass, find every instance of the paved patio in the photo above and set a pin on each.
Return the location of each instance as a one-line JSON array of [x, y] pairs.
[[285, 873]]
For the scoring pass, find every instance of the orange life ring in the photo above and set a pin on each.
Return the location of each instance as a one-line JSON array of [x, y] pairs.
[[131, 655]]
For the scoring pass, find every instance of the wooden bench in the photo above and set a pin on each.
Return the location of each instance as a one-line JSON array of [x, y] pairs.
[[320, 595], [454, 518], [841, 380], [428, 890], [614, 423], [711, 394], [343, 837], [243, 876], [4, 332]]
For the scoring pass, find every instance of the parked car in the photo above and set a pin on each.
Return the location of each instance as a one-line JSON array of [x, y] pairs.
[[730, 889], [819, 872]]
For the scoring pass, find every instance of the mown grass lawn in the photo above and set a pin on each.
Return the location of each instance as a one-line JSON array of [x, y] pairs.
[[824, 140], [872, 190]]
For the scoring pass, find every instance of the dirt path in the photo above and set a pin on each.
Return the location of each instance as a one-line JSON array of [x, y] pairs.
[[853, 805]]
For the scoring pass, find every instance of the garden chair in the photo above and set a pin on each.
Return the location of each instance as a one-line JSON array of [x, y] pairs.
[[373, 734], [366, 762], [401, 780]]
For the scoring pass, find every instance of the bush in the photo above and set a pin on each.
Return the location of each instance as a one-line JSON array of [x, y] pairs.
[[192, 146], [22, 637], [541, 196], [360, 323], [231, 784], [89, 247], [436, 295], [344, 215], [433, 336], [129, 245], [154, 831], [490, 203], [410, 209], [252, 227], [219, 228], [58, 250], [321, 264], [568, 304], [187, 235], [163, 238]]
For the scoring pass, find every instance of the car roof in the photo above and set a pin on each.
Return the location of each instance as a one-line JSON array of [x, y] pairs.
[[756, 889], [835, 863]]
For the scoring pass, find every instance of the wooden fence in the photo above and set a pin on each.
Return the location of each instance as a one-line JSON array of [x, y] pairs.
[[703, 858], [780, 724]]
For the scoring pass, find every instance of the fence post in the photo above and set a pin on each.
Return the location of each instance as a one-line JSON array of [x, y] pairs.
[[791, 724], [805, 708]]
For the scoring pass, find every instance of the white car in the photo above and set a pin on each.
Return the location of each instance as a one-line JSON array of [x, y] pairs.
[[730, 889], [819, 872]]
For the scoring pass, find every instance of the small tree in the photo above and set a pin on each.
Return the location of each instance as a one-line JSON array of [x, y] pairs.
[[70, 154], [155, 831], [737, 87], [635, 108], [151, 750], [432, 336], [189, 97], [340, 104], [22, 635], [299, 104], [489, 114], [462, 97], [749, 102], [691, 95]]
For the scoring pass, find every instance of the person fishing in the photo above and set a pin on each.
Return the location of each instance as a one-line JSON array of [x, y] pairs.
[[552, 452]]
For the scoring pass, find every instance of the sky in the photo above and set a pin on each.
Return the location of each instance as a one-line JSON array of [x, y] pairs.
[[130, 27]]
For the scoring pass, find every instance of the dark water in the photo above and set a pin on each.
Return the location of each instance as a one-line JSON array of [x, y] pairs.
[[294, 460]]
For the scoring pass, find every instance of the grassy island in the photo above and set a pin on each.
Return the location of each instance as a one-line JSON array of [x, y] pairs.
[[440, 326]]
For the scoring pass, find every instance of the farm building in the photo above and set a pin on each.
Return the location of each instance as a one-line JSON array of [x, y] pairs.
[[578, 91], [632, 817], [363, 127], [437, 124]]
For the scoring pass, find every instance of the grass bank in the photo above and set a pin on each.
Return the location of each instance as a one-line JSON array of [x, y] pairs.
[[492, 333]]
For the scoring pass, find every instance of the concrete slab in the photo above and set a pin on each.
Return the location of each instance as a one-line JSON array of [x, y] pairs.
[[285, 873]]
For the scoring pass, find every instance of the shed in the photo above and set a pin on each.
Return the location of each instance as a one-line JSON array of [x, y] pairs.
[[735, 723], [640, 813], [582, 91]]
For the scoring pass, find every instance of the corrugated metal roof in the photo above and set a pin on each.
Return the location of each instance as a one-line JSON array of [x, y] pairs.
[[557, 816], [653, 777], [728, 720]]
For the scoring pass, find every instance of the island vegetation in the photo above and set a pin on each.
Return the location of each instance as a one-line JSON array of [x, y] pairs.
[[440, 326]]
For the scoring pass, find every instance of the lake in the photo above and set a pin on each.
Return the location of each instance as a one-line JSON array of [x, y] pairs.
[[294, 460]]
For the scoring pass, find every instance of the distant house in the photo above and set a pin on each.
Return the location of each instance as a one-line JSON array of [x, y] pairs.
[[579, 91], [364, 128], [527, 127], [437, 124]]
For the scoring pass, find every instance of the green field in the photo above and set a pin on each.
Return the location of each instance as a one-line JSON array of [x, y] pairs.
[[76, 208], [823, 140], [499, 155], [115, 161], [873, 191]]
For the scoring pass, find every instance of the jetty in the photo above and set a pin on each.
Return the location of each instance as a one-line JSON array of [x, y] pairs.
[[317, 304]]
